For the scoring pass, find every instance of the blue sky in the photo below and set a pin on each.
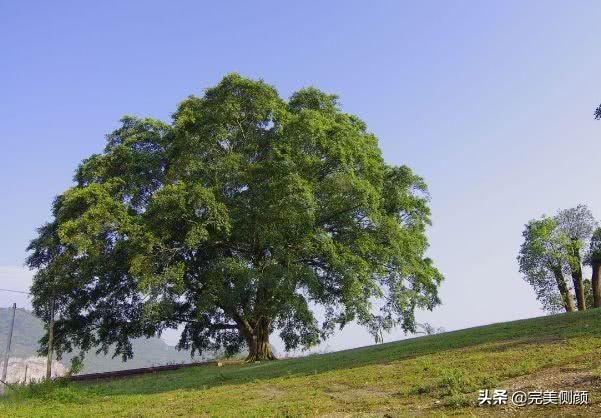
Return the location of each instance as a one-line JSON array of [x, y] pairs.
[[491, 102]]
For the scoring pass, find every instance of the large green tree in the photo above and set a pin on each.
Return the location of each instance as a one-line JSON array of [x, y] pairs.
[[236, 220]]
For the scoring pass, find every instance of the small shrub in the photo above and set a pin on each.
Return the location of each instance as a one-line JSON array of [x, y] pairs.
[[420, 389], [454, 382]]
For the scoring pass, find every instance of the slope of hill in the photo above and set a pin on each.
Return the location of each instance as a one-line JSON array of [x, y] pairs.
[[28, 330], [435, 375]]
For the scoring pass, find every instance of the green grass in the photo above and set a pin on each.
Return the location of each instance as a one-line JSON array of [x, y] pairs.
[[434, 375]]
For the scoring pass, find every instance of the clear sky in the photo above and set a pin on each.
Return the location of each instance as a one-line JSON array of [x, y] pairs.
[[491, 102]]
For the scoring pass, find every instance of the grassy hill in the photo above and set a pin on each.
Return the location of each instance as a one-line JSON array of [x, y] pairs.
[[28, 330], [435, 375]]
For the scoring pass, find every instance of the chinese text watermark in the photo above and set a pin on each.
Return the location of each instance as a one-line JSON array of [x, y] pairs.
[[533, 397]]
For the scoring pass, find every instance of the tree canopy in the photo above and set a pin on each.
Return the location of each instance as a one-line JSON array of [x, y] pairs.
[[235, 220]]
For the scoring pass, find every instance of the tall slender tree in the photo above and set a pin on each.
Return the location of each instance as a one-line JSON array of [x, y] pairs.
[[235, 220], [543, 260], [595, 252], [578, 225], [595, 261]]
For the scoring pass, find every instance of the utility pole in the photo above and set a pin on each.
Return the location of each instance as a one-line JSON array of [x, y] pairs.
[[50, 341], [7, 352]]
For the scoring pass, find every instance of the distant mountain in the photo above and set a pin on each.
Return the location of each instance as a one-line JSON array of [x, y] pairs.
[[29, 329]]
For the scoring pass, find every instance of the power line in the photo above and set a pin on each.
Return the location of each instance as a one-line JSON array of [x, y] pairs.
[[15, 291]]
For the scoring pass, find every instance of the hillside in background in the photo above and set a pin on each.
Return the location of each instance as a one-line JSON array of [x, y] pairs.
[[437, 375], [29, 329]]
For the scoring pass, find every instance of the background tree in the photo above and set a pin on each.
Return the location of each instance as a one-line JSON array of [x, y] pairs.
[[577, 224], [234, 220], [543, 260], [553, 247], [595, 262], [595, 253]]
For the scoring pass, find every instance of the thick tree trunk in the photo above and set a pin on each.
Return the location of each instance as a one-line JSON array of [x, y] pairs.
[[257, 339], [579, 290], [596, 284], [258, 342], [577, 279], [563, 290]]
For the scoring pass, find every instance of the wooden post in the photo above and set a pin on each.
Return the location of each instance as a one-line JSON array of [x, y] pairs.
[[7, 352], [50, 342], [25, 378]]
